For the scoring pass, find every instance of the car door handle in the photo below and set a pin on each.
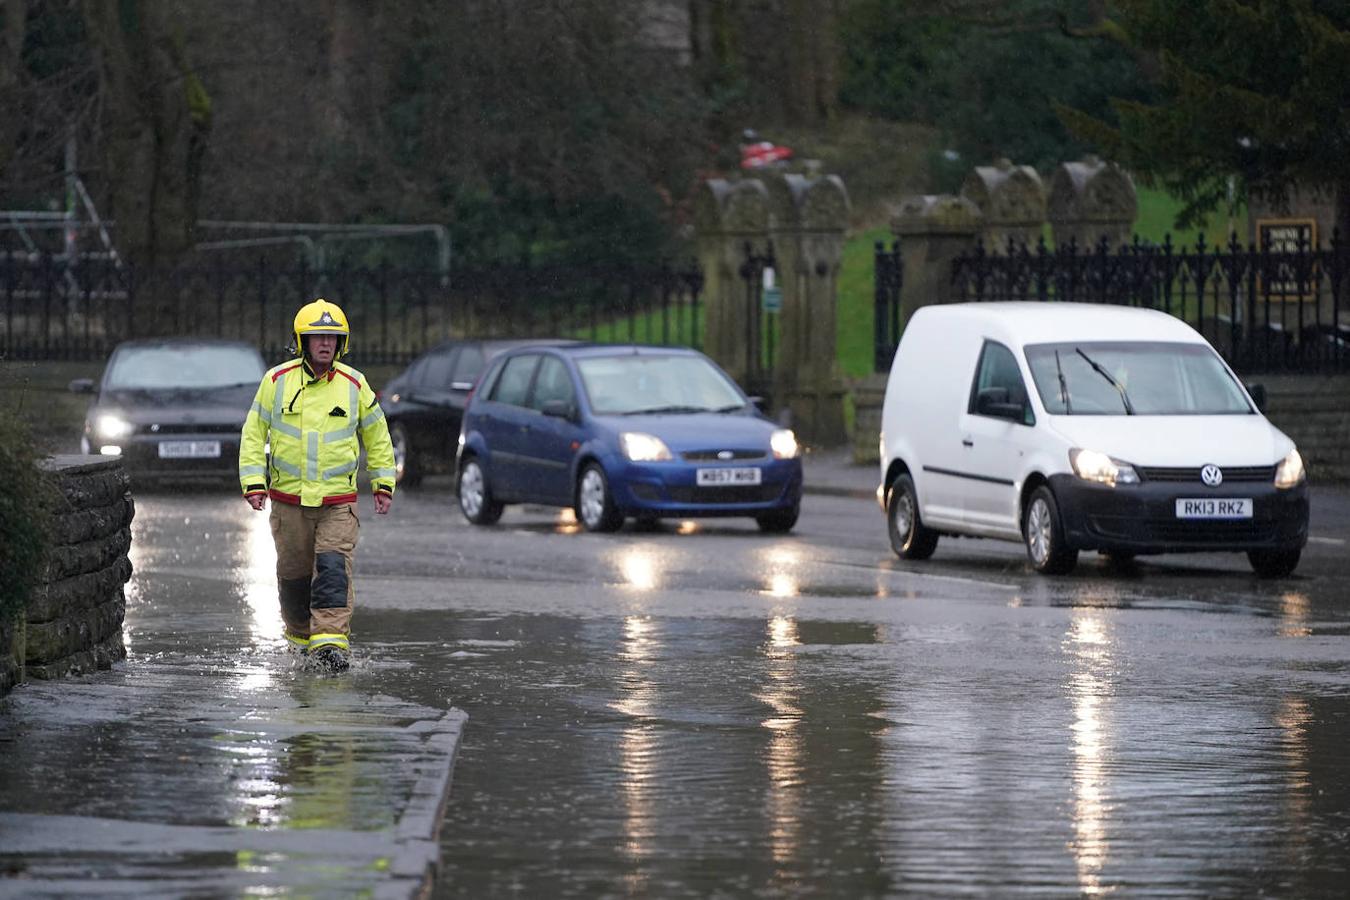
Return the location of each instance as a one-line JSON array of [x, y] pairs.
[[967, 442]]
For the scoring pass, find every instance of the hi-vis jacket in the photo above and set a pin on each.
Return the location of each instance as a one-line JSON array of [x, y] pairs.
[[312, 424]]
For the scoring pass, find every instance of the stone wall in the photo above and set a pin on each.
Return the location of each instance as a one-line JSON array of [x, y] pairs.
[[74, 622]]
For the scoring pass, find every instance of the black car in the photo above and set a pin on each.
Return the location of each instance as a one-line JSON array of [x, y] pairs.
[[172, 407], [425, 403]]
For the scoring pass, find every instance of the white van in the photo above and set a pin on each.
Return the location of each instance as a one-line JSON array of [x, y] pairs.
[[1071, 427]]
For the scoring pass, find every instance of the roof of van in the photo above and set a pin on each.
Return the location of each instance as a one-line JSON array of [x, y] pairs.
[[1035, 322]]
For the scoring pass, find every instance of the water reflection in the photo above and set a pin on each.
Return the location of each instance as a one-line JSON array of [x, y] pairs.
[[785, 751], [638, 746], [256, 576], [1294, 608], [640, 566], [1090, 688], [780, 565]]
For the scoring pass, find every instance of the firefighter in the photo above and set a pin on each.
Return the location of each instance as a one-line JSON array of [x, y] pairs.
[[310, 411]]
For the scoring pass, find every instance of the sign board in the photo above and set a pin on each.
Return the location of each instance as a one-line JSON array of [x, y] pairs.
[[1286, 238], [773, 299]]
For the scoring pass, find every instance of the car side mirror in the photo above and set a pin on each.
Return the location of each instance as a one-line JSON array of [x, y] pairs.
[[995, 401], [560, 409], [757, 402], [82, 386], [461, 385], [1258, 392]]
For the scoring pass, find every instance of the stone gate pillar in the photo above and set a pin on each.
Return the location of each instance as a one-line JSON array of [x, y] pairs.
[[808, 218], [728, 215], [933, 230], [1012, 201], [1090, 200]]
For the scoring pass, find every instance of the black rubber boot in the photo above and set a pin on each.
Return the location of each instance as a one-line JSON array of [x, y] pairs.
[[329, 659]]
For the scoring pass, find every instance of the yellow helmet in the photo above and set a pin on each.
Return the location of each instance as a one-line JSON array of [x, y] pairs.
[[322, 317]]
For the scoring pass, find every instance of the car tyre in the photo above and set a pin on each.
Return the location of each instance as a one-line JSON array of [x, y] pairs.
[[1043, 534], [595, 503], [407, 472], [475, 497], [1273, 563], [910, 538], [780, 521]]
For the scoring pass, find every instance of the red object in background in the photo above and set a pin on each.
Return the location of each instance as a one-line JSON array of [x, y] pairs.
[[763, 153]]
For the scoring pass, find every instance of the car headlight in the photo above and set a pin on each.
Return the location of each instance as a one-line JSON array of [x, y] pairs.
[[111, 426], [1091, 465], [640, 447], [784, 444], [1290, 472]]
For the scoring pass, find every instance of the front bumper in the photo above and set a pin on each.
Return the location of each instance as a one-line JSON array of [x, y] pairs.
[[141, 456], [1141, 518], [665, 490]]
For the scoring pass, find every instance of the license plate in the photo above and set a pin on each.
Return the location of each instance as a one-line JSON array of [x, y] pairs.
[[740, 475], [1214, 508], [189, 450]]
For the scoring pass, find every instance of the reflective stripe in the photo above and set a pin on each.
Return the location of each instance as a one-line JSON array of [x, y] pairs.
[[332, 436], [371, 419], [279, 409], [251, 470], [337, 640], [383, 473], [312, 456], [263, 412], [286, 467], [340, 470], [353, 399], [297, 640]]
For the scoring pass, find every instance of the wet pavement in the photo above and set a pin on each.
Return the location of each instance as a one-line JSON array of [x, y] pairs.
[[702, 710]]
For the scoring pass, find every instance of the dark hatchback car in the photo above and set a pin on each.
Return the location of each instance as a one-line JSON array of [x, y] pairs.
[[425, 403], [624, 431], [172, 408]]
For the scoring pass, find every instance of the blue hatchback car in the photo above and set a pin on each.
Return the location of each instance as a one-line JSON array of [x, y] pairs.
[[618, 431]]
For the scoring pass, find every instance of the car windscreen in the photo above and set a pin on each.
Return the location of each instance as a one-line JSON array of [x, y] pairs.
[[199, 367], [1117, 378], [641, 383]]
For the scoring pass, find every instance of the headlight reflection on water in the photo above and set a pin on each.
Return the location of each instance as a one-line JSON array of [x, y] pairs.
[[1090, 689]]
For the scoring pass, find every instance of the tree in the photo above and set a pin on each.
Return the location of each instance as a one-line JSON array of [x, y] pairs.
[[1252, 90], [988, 73]]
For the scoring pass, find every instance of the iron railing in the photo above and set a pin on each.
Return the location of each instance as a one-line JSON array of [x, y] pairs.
[[52, 310], [1264, 309]]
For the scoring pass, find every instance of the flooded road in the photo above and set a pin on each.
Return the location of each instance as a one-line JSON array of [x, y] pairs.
[[703, 710]]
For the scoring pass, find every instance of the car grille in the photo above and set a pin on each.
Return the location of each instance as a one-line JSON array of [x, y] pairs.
[[1192, 473], [190, 428], [760, 493], [1207, 532], [712, 455]]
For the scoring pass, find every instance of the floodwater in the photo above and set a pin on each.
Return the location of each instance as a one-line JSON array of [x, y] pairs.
[[701, 710]]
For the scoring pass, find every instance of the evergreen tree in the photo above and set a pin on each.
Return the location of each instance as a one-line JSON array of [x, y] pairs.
[[1257, 91]]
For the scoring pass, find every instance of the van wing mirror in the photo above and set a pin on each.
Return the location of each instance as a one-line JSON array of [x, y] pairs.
[[1258, 392], [995, 401], [82, 386]]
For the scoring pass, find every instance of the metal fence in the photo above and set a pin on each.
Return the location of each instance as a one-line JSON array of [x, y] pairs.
[[51, 310], [1265, 309]]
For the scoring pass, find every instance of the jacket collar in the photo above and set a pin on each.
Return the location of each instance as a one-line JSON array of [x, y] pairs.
[[309, 373]]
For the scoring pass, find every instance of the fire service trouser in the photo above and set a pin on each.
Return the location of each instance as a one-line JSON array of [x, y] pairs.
[[315, 545]]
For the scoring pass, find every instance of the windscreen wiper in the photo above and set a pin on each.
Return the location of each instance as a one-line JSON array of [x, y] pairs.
[[1124, 397], [1063, 387]]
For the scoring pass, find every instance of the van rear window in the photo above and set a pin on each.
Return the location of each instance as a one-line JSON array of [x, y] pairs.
[[1117, 378]]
